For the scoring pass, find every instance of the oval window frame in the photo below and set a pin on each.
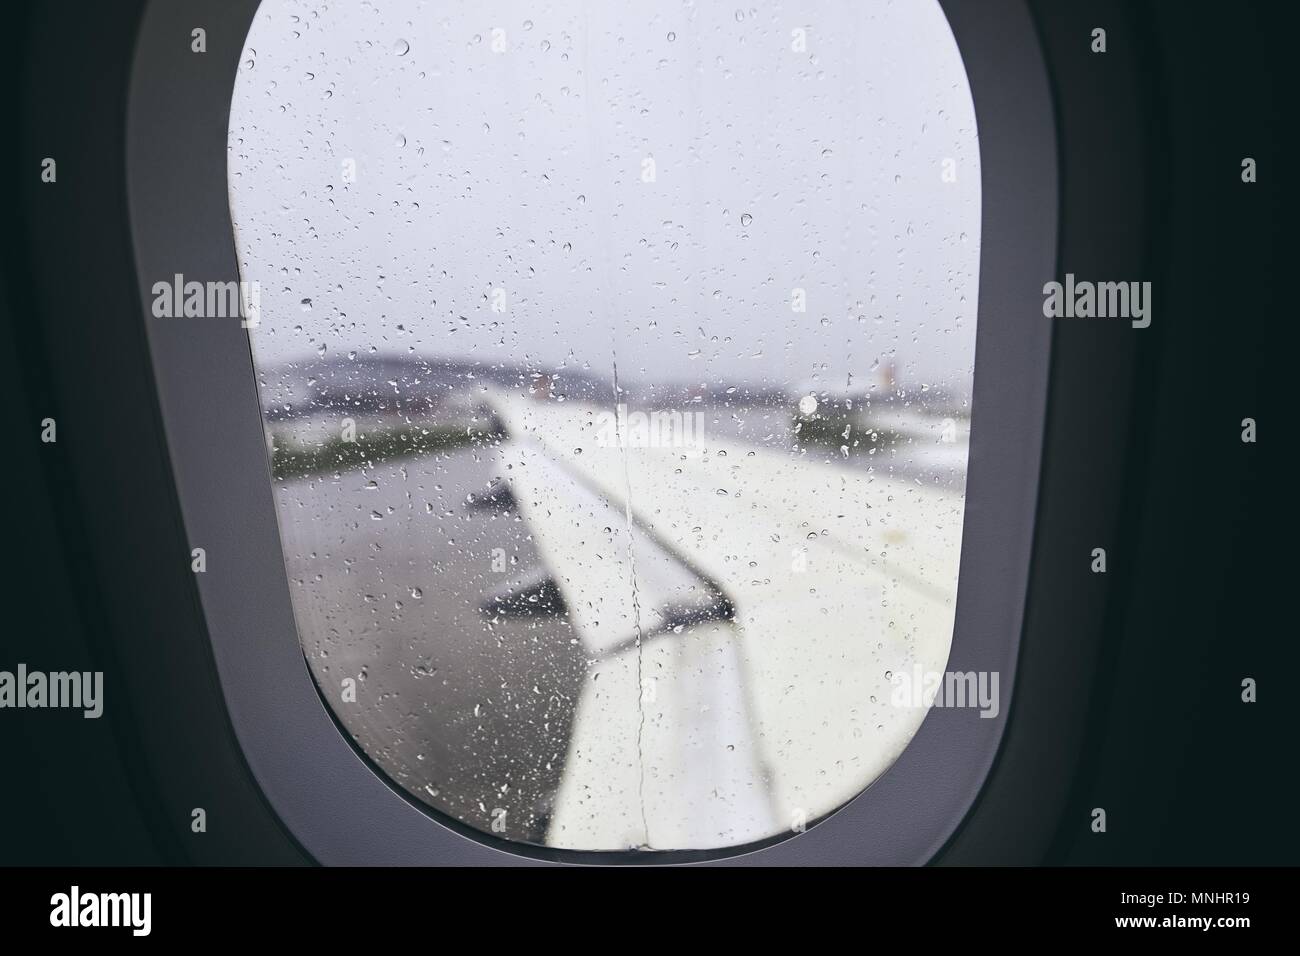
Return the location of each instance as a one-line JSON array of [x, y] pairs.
[[341, 808]]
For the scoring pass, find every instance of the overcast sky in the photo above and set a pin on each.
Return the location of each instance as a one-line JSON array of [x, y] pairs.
[[522, 170]]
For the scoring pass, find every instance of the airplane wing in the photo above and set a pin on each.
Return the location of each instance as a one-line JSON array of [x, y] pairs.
[[815, 584]]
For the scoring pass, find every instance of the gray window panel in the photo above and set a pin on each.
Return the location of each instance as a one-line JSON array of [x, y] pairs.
[[328, 794]]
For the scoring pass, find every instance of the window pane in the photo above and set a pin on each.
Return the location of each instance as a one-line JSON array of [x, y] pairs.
[[615, 363]]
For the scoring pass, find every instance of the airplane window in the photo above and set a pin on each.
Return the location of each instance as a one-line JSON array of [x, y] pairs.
[[615, 364]]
